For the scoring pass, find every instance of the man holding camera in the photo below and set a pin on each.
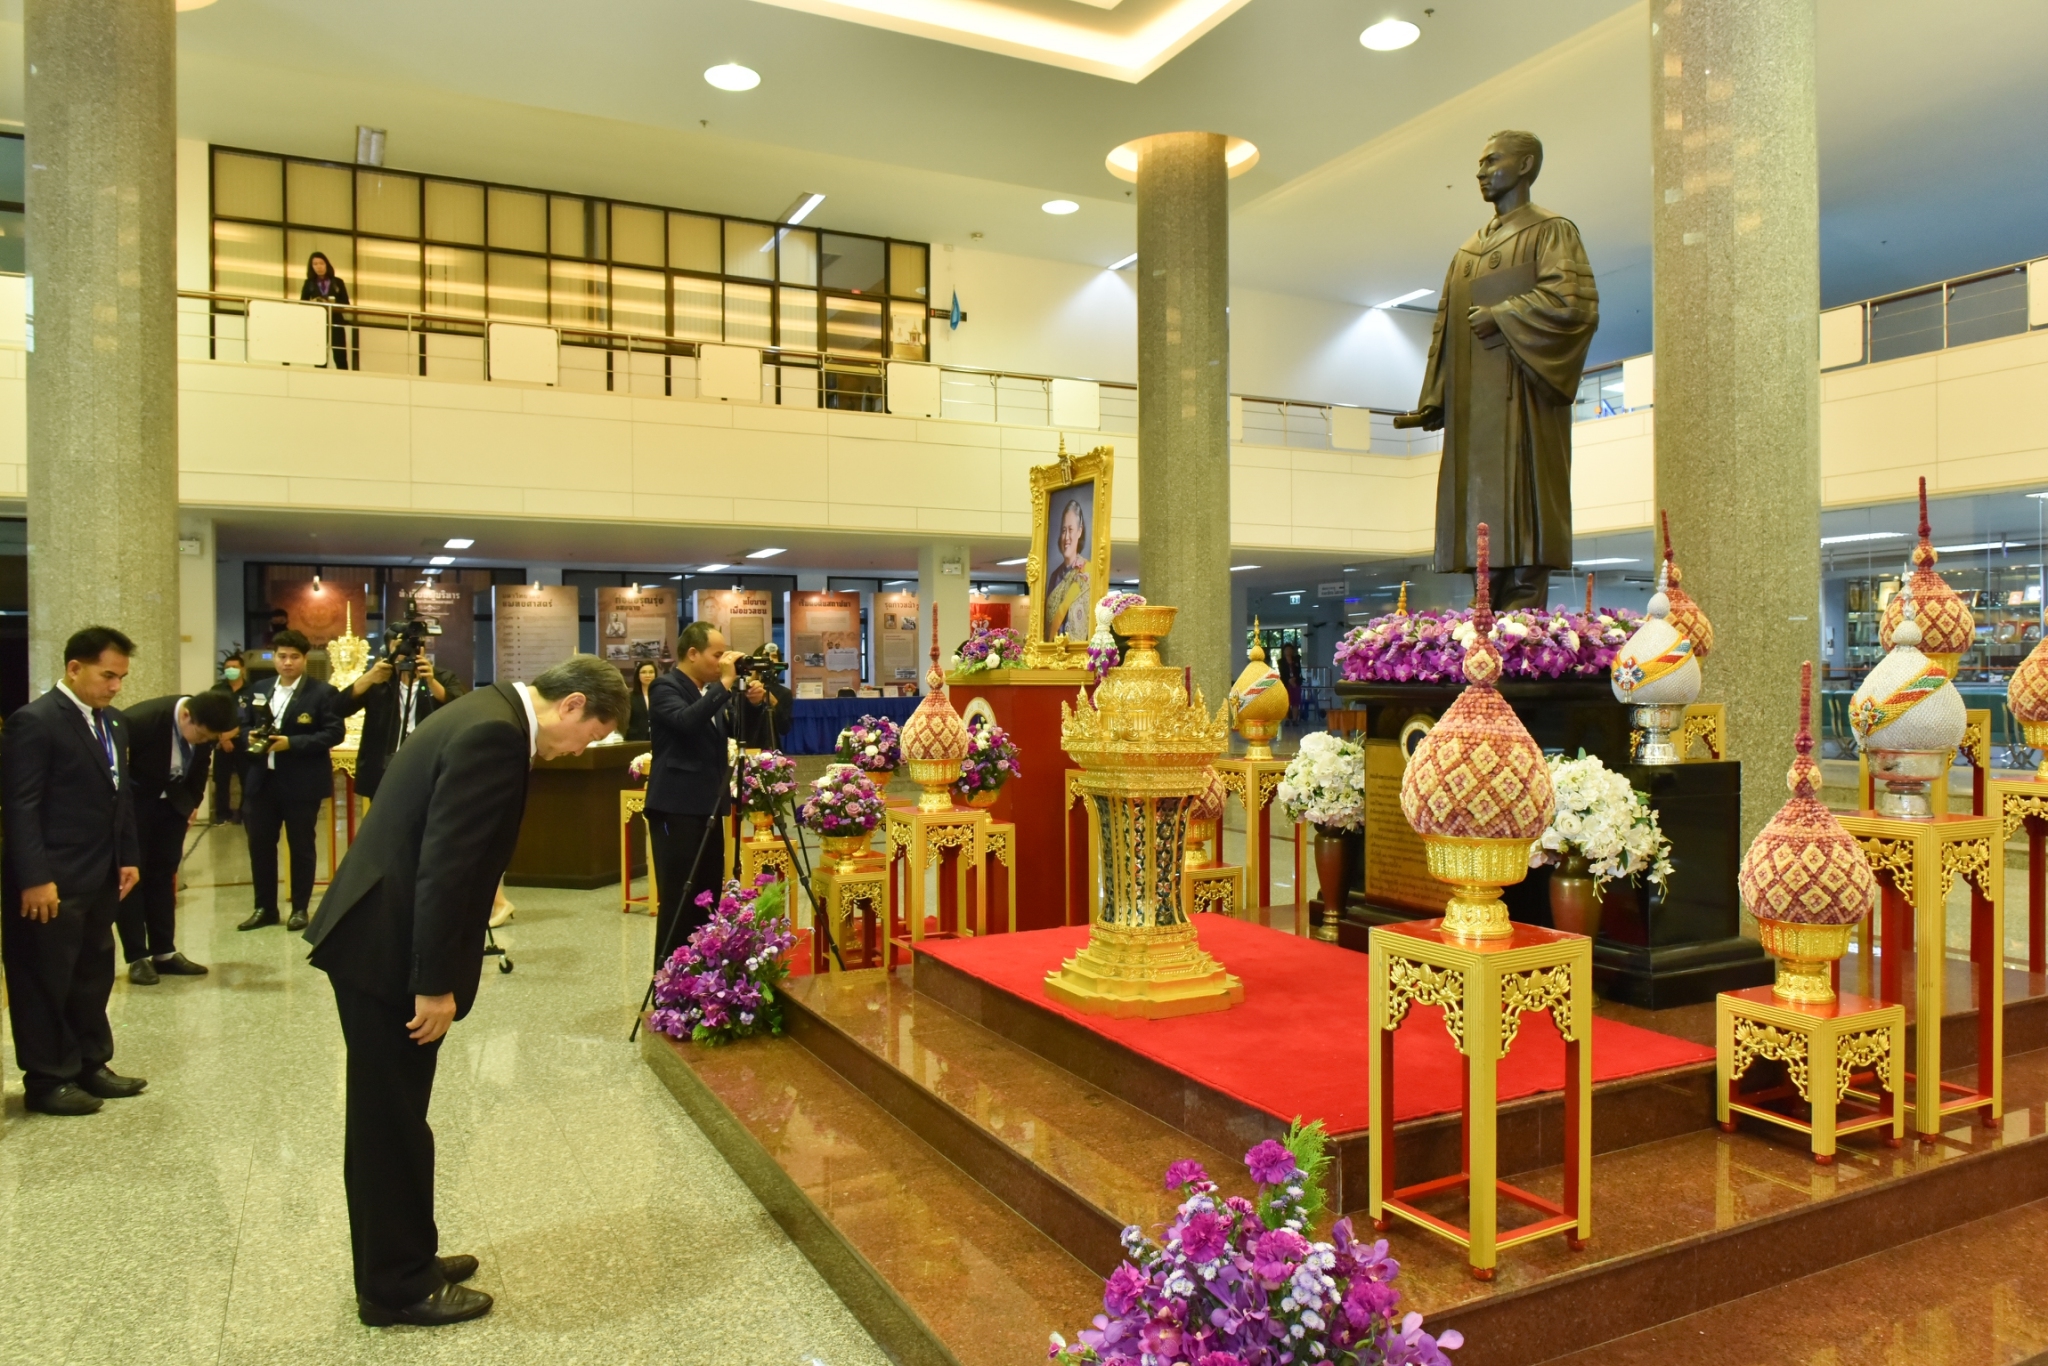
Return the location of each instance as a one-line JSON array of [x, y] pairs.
[[289, 774], [170, 742], [764, 723], [689, 719], [395, 694], [400, 935]]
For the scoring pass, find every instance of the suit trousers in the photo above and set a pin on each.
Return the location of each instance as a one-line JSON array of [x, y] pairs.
[[59, 975], [148, 918], [263, 815], [675, 841], [228, 769], [387, 1163]]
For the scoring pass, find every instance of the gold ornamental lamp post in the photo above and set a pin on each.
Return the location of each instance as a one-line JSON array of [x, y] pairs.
[[1144, 749]]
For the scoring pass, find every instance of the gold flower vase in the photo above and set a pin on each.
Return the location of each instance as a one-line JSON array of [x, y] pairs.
[[763, 823], [1201, 844], [1805, 953], [936, 778], [2036, 733], [846, 850], [1477, 869]]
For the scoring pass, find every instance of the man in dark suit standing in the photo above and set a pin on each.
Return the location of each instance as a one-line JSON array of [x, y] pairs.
[[400, 935], [228, 758], [393, 708], [170, 742], [70, 857], [287, 780]]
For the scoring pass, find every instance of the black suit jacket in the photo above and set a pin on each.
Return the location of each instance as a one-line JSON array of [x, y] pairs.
[[304, 773], [379, 706], [65, 818], [152, 739], [688, 728], [636, 716], [406, 912]]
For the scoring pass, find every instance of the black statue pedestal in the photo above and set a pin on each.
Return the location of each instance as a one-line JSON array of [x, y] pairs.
[[1654, 950]]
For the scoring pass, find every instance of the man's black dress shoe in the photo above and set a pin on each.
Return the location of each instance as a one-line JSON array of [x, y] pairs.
[[178, 965], [452, 1303], [67, 1099], [108, 1084], [298, 920], [460, 1267], [142, 973], [258, 919]]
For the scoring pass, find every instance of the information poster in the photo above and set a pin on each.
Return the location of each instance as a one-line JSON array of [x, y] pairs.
[[824, 643], [535, 628], [636, 626], [893, 631], [452, 608], [320, 608], [744, 616]]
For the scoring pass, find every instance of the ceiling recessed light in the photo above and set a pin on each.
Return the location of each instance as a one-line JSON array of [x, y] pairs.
[[1595, 564], [460, 542], [1410, 297], [442, 559], [733, 76], [1060, 206], [1390, 35], [675, 576], [1005, 564], [1862, 536], [801, 209], [1239, 568], [766, 552], [711, 568], [1974, 545], [1126, 263], [1239, 156]]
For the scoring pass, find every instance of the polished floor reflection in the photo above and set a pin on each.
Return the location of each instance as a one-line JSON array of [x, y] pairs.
[[203, 1221]]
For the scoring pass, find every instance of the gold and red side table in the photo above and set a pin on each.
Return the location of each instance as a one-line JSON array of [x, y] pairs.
[[1078, 899], [1483, 987], [845, 902], [918, 840], [761, 849], [999, 842], [1218, 888], [1825, 1046], [1917, 863], [1253, 782], [633, 803], [2022, 804]]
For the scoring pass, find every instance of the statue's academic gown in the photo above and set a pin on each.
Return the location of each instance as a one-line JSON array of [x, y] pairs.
[[1507, 408]]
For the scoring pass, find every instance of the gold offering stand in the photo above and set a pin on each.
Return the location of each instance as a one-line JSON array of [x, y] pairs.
[[949, 838], [1208, 884], [763, 849], [348, 658], [1144, 749], [1917, 862], [851, 886], [1253, 781], [633, 803], [1826, 1046], [2022, 804], [999, 842]]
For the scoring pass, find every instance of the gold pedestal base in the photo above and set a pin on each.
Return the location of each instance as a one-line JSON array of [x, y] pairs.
[[1477, 869], [2036, 733], [1258, 738], [1806, 956], [936, 778], [1144, 974]]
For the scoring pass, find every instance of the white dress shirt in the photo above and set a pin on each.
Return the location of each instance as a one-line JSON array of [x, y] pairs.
[[532, 723], [92, 724], [280, 705]]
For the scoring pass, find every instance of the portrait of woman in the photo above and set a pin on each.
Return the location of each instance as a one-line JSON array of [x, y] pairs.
[[1069, 593]]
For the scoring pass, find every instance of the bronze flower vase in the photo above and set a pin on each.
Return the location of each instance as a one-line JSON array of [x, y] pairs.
[[1333, 878], [1575, 897]]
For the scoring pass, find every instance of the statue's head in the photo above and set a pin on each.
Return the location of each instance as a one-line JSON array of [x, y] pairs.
[[1509, 160]]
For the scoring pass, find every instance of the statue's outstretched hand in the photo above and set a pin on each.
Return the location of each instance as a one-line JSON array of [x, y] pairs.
[[1482, 320], [1429, 419]]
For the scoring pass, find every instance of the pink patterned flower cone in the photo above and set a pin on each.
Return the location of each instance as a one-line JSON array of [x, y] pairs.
[[1686, 615], [1947, 627], [935, 738]]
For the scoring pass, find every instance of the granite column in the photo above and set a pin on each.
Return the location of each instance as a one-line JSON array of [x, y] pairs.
[[1736, 256], [102, 395]]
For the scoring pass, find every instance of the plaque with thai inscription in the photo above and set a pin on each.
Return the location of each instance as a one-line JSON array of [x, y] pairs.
[[1396, 869]]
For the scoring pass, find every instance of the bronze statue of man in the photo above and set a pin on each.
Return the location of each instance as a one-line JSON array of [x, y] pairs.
[[1501, 385]]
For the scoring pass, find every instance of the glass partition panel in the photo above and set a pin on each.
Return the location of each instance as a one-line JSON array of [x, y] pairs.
[[318, 196], [1995, 306], [797, 317], [639, 299], [455, 212], [339, 248], [576, 227], [1906, 327], [700, 309], [518, 219], [854, 264], [747, 321], [518, 288], [248, 259], [908, 329], [13, 257], [247, 186], [12, 173], [387, 274], [576, 294], [909, 270], [749, 249], [387, 204], [637, 236], [799, 256], [693, 243], [455, 280], [853, 327]]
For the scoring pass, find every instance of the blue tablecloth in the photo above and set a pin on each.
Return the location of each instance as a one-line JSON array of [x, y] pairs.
[[814, 726]]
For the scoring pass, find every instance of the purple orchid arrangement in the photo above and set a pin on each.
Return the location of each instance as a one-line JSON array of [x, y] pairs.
[[1102, 651], [843, 802], [767, 782], [872, 744], [1238, 1282], [991, 758], [723, 984], [1000, 647], [1429, 647]]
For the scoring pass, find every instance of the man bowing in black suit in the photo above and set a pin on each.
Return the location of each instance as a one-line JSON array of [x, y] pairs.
[[287, 780], [171, 742], [70, 856], [400, 935]]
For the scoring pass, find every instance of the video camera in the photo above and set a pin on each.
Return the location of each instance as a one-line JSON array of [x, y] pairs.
[[404, 641], [760, 662], [262, 726]]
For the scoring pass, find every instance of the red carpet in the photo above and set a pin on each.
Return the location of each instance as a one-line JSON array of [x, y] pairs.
[[1298, 1045]]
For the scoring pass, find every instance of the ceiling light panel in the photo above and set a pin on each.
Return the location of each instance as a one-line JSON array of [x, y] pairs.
[[768, 552], [1060, 208], [732, 76], [460, 542], [1389, 35]]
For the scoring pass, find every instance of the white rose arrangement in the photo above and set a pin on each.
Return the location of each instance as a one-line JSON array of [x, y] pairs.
[[1605, 821], [1325, 783]]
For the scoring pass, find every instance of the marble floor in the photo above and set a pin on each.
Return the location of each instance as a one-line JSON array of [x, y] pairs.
[[203, 1221]]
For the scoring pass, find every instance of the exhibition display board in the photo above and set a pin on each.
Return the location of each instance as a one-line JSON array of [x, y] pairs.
[[824, 642], [534, 627], [892, 636], [744, 616], [320, 608], [636, 626]]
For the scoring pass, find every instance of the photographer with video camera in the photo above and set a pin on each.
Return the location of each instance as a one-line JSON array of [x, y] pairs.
[[764, 723], [691, 715], [395, 695]]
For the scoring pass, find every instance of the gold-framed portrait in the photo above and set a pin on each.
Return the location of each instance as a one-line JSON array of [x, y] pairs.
[[1068, 569]]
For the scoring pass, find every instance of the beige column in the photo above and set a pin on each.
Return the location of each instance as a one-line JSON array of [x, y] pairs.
[[1736, 258], [942, 583], [101, 112], [1184, 396]]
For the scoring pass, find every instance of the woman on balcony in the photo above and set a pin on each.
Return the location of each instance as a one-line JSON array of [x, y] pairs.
[[323, 286]]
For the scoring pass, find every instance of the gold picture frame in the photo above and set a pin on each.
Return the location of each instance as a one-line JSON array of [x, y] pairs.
[[1063, 601]]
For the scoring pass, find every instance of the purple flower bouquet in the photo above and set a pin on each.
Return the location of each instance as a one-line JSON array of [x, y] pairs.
[[767, 783], [843, 802], [991, 758], [872, 744], [722, 985], [1239, 1282], [1429, 647], [998, 648]]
